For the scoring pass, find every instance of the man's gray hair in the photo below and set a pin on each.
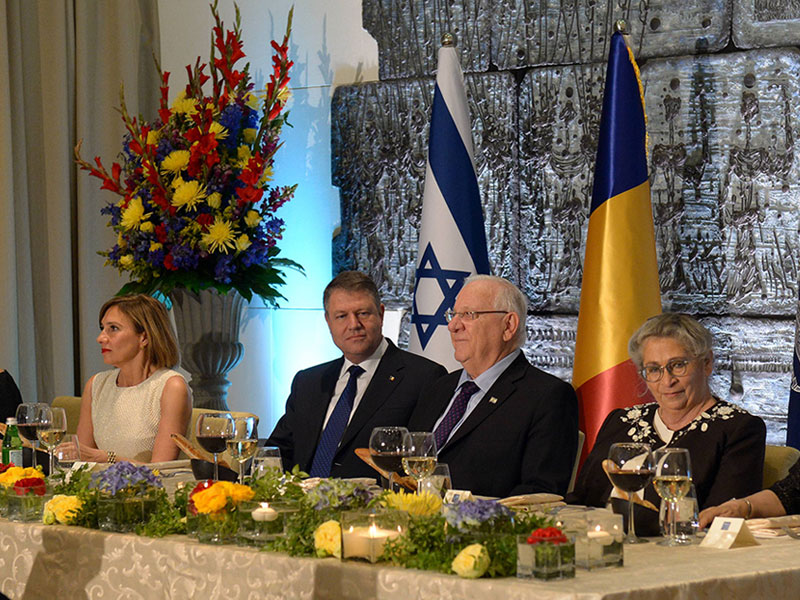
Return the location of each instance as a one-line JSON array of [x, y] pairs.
[[508, 298]]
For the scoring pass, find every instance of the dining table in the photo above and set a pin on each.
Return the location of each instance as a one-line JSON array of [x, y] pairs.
[[57, 561]]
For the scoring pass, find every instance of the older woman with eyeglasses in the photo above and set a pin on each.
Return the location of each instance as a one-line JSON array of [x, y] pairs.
[[726, 443]]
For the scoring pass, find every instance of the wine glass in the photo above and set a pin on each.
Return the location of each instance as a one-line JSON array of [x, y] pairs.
[[51, 434], [673, 478], [67, 452], [631, 471], [386, 449], [419, 448], [212, 431], [242, 445], [438, 482], [267, 457], [30, 417]]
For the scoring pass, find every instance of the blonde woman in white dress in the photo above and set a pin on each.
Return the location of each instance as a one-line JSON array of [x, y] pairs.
[[130, 412]]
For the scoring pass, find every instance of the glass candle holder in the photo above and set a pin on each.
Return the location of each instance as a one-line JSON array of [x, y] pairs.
[[26, 508], [364, 534], [218, 527], [261, 522], [121, 513], [545, 557], [598, 535]]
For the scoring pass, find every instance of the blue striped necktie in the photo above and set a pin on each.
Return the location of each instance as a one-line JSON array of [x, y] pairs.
[[457, 410], [337, 423]]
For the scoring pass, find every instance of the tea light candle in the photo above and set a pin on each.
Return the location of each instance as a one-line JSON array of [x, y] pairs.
[[264, 513], [365, 542]]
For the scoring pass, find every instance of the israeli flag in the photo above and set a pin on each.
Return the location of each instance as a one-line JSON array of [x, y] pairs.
[[452, 241]]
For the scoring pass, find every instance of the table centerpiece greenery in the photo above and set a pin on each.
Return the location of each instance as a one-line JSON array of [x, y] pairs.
[[196, 208]]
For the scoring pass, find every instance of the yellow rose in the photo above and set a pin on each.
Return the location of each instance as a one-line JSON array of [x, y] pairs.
[[243, 242], [211, 499], [125, 261], [61, 509], [472, 562], [153, 137], [14, 474], [214, 200], [147, 227], [252, 218], [328, 539], [249, 134]]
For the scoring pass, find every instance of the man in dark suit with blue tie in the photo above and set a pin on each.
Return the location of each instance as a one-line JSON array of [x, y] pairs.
[[503, 426], [333, 407]]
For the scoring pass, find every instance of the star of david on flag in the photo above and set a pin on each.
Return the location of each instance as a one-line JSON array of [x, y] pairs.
[[452, 240]]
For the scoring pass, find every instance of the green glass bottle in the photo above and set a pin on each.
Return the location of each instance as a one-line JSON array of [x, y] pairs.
[[12, 444]]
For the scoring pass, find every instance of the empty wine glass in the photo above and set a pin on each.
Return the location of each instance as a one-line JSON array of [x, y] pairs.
[[631, 471], [673, 478], [438, 482], [386, 448], [30, 417], [267, 457], [212, 431], [67, 452], [51, 434], [419, 460], [242, 445]]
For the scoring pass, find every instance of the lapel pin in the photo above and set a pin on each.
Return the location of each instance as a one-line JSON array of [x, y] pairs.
[[492, 400], [391, 377]]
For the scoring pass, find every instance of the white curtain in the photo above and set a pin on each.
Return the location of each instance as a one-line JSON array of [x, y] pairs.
[[61, 66]]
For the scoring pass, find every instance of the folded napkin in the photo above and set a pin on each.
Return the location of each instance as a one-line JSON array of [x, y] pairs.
[[538, 501], [165, 465], [772, 527]]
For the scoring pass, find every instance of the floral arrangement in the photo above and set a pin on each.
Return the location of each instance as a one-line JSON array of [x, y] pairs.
[[339, 495], [62, 509], [125, 478], [5, 466], [478, 514], [196, 207], [472, 562], [551, 535], [214, 497], [11, 475], [30, 486], [418, 505]]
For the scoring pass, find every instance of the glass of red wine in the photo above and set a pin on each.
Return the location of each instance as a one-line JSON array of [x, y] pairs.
[[30, 418], [213, 430], [386, 448], [631, 470]]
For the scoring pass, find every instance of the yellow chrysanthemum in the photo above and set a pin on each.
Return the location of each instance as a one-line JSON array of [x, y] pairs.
[[266, 175], [420, 505], [147, 227], [126, 261], [176, 161], [187, 194], [218, 130], [14, 474], [176, 181], [153, 137], [134, 214], [214, 200], [220, 236], [243, 154], [243, 243], [249, 134], [62, 509], [252, 218], [183, 105], [252, 101]]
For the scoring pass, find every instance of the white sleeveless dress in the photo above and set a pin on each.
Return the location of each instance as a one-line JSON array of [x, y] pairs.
[[125, 419]]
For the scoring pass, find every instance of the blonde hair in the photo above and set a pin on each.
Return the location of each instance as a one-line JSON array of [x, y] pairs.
[[149, 316]]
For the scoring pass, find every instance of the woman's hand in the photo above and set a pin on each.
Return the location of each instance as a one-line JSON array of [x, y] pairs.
[[89, 454]]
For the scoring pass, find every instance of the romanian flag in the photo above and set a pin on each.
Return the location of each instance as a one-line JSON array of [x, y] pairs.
[[620, 288]]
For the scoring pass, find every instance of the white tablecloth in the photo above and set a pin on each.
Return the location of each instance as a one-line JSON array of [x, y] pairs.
[[70, 562]]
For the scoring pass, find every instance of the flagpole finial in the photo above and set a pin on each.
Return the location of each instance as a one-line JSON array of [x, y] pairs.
[[448, 40], [621, 26]]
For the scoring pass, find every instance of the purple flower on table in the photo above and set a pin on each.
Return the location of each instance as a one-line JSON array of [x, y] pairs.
[[339, 494], [473, 513], [124, 476]]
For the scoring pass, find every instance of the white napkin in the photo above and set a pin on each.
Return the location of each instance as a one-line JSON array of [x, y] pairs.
[[772, 527], [537, 500]]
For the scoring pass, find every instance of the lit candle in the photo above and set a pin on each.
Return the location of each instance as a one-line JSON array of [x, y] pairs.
[[264, 513], [365, 542]]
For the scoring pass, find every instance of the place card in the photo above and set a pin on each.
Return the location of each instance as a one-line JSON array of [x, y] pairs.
[[728, 532], [452, 496]]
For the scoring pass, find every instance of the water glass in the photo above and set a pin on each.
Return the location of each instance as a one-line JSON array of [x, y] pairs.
[[67, 452], [686, 518], [438, 482], [267, 457]]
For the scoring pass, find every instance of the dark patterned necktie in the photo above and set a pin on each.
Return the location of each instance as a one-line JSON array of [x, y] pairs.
[[332, 434], [457, 410]]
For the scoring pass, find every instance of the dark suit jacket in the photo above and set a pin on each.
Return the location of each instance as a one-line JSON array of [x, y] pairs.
[[521, 438], [388, 400]]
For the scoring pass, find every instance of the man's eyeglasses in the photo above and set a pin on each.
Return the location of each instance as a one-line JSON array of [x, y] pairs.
[[677, 367], [470, 315]]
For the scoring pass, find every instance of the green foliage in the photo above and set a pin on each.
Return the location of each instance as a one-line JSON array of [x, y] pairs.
[[166, 519], [424, 546], [275, 484]]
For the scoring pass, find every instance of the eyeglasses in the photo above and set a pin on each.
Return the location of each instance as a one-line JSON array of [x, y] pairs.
[[676, 367], [470, 315]]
